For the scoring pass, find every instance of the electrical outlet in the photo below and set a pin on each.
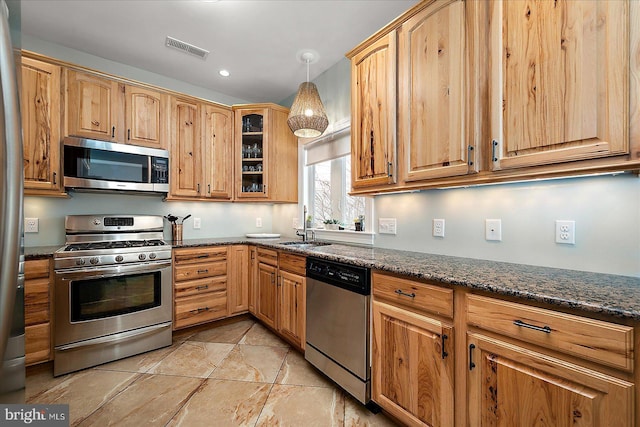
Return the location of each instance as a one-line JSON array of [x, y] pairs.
[[197, 222], [31, 225], [387, 226], [294, 222], [259, 222], [566, 232], [493, 230], [438, 228]]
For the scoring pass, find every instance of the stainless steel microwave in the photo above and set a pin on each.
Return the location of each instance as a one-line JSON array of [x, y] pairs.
[[99, 165]]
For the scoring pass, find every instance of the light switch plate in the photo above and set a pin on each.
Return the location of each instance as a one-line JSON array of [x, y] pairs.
[[258, 222], [387, 226], [197, 223], [493, 230]]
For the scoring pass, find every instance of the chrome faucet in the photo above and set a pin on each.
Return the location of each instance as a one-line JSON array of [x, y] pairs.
[[305, 235]]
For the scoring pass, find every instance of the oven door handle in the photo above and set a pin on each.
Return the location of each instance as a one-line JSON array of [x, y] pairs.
[[118, 270], [115, 337]]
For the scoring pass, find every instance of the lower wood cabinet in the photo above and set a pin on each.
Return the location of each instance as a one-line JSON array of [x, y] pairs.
[[267, 294], [510, 385], [37, 311], [200, 285], [292, 293], [253, 280], [413, 360], [238, 283]]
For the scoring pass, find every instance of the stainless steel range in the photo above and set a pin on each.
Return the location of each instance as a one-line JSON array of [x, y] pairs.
[[112, 290]]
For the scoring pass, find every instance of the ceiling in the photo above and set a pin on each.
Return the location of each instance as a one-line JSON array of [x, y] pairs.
[[256, 41]]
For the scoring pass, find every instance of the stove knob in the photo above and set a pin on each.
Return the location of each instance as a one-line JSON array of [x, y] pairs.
[[80, 261], [152, 255], [119, 258], [94, 260], [142, 257]]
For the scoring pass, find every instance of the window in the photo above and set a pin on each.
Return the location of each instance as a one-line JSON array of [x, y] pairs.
[[327, 178], [329, 186]]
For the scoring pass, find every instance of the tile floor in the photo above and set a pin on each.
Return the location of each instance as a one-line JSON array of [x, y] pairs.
[[235, 374]]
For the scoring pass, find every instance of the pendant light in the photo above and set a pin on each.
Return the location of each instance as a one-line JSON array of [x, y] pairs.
[[307, 118]]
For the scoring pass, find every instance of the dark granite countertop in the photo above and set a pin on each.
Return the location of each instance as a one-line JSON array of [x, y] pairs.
[[608, 294], [35, 252]]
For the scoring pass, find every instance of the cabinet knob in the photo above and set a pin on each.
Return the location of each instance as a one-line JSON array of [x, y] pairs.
[[95, 123]]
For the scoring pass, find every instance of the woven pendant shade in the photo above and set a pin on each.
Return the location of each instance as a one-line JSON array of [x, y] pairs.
[[307, 118]]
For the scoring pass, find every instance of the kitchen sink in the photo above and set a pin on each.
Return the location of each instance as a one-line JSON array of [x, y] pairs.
[[301, 244]]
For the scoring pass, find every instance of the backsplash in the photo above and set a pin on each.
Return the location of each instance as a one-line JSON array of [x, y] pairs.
[[219, 219]]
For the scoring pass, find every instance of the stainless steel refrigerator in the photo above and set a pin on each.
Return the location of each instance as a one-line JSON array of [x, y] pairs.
[[12, 375]]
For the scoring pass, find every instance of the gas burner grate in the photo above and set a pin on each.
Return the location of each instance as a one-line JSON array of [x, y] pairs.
[[74, 247]]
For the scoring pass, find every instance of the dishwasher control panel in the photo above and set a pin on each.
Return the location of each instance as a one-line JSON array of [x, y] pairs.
[[351, 277]]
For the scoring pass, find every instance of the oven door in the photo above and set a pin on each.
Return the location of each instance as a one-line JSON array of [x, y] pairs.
[[100, 301]]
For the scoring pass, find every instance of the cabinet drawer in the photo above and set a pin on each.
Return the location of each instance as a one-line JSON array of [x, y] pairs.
[[200, 308], [36, 269], [36, 301], [267, 256], [416, 295], [200, 271], [198, 255], [37, 343], [293, 263], [201, 286], [603, 342]]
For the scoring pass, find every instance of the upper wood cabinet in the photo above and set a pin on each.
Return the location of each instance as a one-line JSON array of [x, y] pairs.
[[40, 104], [186, 149], [434, 137], [495, 91], [559, 81], [107, 110], [145, 117], [373, 113], [217, 138], [266, 153], [200, 150]]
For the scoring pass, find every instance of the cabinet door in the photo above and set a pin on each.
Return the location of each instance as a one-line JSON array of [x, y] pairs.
[[94, 107], [253, 280], [217, 140], [238, 279], [412, 372], [253, 153], [267, 295], [186, 153], [40, 105], [145, 111], [373, 114], [291, 303], [514, 386], [432, 94], [560, 81]]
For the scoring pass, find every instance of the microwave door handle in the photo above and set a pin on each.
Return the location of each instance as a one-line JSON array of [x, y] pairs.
[[11, 170]]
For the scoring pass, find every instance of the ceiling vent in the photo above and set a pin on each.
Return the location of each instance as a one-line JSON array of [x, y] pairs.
[[186, 47]]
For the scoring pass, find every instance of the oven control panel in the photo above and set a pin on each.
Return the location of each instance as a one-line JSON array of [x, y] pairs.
[[75, 260]]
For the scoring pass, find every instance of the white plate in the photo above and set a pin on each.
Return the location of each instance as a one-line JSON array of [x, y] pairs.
[[263, 235]]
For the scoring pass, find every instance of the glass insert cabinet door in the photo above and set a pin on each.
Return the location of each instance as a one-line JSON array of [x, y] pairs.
[[253, 155]]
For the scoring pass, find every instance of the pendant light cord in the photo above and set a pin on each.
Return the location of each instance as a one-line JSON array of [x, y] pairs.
[[307, 70]]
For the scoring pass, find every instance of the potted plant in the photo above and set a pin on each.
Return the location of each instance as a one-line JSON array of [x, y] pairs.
[[309, 221], [331, 224], [359, 223]]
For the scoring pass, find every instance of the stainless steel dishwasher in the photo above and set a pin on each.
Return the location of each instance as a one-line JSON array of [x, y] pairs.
[[338, 302]]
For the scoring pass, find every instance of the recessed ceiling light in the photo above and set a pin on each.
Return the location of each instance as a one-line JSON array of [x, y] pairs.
[[224, 73]]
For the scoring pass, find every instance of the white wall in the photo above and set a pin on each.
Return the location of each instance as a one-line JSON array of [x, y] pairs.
[[606, 210], [219, 219]]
